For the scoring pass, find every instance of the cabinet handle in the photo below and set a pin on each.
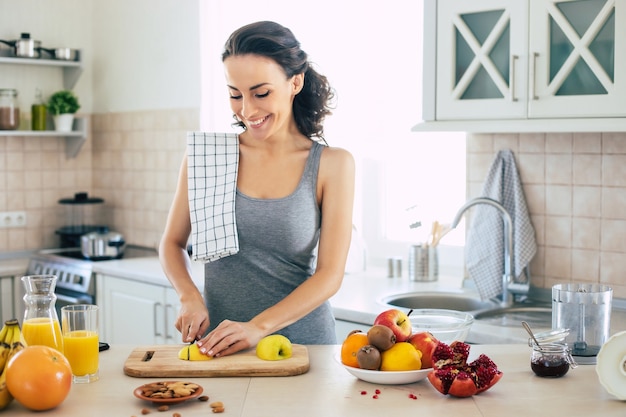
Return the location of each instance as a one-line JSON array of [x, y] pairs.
[[167, 322], [514, 59], [156, 321], [533, 81]]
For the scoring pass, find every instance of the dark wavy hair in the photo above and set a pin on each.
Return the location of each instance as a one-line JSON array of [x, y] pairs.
[[271, 40]]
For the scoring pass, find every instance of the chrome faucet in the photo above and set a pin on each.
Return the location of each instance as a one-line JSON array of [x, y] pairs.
[[509, 287]]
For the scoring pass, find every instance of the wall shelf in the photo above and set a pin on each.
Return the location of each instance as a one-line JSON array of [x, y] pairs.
[[74, 140], [71, 69]]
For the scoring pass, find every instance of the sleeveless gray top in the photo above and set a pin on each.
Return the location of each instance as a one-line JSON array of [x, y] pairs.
[[277, 248]]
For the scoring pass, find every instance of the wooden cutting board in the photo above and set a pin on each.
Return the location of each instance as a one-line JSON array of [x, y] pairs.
[[161, 361]]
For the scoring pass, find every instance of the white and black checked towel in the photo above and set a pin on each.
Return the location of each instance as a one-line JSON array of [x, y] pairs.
[[213, 160], [485, 238]]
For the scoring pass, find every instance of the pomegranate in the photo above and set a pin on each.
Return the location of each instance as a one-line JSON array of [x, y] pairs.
[[452, 374]]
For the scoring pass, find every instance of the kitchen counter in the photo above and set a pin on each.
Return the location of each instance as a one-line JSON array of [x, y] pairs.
[[329, 390]]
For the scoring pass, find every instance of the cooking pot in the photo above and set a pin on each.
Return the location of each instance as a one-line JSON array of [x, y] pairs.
[[102, 244], [64, 54], [25, 47]]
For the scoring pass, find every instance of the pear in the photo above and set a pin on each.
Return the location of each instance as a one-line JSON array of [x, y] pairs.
[[192, 353]]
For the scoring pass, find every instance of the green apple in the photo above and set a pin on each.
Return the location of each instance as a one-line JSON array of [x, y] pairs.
[[192, 353], [274, 347]]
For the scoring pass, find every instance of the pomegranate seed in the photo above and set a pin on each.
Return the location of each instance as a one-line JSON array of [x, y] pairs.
[[363, 392], [412, 396], [377, 391], [375, 397]]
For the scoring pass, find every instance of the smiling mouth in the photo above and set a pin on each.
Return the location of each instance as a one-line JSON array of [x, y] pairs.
[[256, 123]]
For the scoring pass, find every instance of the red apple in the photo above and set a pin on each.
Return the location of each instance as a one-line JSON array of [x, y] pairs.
[[426, 343], [398, 321]]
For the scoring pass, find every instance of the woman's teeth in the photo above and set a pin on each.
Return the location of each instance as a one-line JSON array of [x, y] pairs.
[[257, 122]]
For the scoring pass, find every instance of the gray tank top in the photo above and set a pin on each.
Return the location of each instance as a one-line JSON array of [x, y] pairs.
[[277, 248]]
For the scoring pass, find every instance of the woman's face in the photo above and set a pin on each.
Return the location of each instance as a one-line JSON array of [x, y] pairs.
[[261, 96]]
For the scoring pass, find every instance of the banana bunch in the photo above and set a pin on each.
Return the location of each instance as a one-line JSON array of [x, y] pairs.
[[11, 342]]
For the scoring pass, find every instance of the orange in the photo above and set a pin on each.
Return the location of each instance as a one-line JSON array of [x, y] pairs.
[[354, 341], [39, 377], [402, 356]]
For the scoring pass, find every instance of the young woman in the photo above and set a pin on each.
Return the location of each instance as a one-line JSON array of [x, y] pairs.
[[293, 207]]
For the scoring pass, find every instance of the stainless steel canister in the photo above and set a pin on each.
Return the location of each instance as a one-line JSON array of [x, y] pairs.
[[423, 263]]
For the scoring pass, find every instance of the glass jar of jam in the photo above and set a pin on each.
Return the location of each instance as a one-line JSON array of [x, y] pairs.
[[9, 110], [551, 360]]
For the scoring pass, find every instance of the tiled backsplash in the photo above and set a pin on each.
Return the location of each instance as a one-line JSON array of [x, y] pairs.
[[575, 188], [131, 160]]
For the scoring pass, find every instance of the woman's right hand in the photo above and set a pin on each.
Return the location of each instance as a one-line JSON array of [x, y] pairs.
[[193, 320]]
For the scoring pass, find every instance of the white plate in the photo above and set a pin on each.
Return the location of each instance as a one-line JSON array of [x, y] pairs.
[[386, 377], [611, 365]]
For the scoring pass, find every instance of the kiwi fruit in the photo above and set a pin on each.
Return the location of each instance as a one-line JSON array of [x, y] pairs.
[[382, 337], [369, 358]]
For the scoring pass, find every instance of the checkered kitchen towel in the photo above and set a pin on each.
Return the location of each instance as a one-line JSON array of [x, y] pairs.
[[212, 162], [485, 237]]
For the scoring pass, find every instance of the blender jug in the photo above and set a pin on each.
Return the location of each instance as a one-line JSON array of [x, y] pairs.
[[584, 309]]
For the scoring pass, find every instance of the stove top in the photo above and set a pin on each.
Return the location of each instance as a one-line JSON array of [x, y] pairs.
[[74, 272], [130, 251]]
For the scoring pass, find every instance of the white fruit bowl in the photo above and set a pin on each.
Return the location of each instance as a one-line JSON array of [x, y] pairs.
[[445, 325], [386, 377]]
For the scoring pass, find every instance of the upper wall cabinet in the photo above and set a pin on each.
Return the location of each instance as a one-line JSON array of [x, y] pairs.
[[531, 61]]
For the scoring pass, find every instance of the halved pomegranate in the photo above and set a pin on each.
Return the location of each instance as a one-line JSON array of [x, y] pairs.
[[452, 374]]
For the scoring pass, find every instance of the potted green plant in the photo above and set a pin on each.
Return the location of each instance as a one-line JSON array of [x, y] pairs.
[[62, 105]]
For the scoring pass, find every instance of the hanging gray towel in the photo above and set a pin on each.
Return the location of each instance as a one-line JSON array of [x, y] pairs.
[[485, 238], [212, 163]]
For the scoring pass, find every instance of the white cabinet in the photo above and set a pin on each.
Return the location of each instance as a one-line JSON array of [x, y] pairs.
[[524, 60], [135, 312], [343, 328], [7, 308]]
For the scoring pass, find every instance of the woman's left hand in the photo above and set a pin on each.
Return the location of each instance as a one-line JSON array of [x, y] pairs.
[[230, 337]]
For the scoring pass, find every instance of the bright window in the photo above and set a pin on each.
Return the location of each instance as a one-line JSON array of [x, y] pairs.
[[372, 57]]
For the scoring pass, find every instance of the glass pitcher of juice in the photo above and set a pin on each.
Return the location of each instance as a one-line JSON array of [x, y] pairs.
[[41, 323]]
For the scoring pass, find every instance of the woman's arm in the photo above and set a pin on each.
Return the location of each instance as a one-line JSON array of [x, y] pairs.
[[336, 195], [193, 319]]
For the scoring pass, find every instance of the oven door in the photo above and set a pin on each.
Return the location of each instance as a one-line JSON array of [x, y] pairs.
[[69, 297]]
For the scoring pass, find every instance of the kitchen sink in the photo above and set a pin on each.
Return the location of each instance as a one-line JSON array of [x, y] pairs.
[[535, 316], [444, 300]]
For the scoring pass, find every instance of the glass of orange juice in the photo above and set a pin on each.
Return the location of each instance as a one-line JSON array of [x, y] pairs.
[[79, 324]]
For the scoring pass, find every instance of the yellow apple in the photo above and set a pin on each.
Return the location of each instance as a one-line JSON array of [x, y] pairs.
[[192, 353], [273, 348]]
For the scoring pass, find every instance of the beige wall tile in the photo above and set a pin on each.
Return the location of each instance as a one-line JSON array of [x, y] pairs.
[[587, 169], [575, 189], [587, 201], [614, 170], [586, 233], [614, 203]]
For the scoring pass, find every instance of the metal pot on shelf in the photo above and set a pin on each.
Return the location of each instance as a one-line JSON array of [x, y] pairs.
[[25, 47], [63, 54], [102, 244]]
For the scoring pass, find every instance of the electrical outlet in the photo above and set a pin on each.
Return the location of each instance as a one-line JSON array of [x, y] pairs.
[[12, 219]]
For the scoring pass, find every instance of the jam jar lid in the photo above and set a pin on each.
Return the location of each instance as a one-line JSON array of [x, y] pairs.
[[550, 336]]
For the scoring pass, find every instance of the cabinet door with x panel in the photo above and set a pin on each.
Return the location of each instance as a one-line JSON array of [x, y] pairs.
[[577, 54], [481, 59]]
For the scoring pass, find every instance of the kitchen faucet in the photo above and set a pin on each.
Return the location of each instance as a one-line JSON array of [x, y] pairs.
[[509, 287]]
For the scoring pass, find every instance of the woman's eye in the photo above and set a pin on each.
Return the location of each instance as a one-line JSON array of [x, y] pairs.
[[267, 93], [235, 97]]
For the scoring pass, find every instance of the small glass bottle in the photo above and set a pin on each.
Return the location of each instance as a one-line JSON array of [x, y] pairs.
[[41, 322], [38, 112], [9, 109], [551, 359]]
